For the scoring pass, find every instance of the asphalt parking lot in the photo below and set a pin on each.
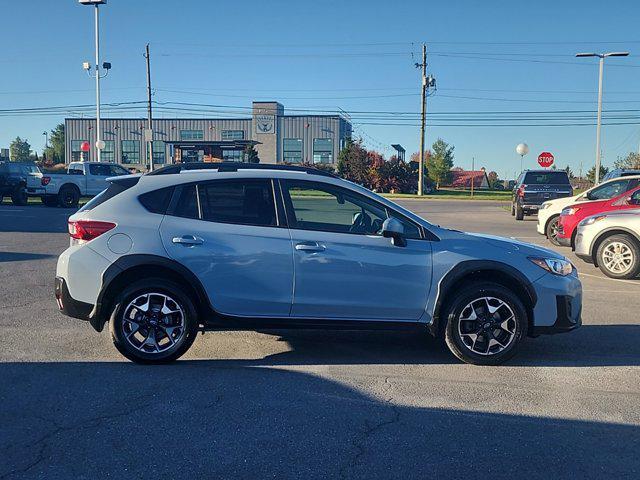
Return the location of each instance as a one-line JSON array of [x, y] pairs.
[[311, 404]]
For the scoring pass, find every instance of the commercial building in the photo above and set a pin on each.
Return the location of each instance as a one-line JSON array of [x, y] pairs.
[[278, 138]]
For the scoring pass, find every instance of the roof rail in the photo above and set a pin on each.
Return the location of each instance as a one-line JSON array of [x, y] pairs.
[[235, 166]]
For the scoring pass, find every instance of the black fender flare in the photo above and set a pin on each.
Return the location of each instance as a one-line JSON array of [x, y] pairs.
[[101, 311], [469, 268]]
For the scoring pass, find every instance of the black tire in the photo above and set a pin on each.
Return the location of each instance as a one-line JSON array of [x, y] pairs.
[[551, 230], [49, 200], [69, 196], [630, 247], [19, 196], [519, 212], [119, 327], [458, 305], [513, 210]]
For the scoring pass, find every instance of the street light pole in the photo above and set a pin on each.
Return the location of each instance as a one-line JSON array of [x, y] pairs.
[[97, 29], [601, 56]]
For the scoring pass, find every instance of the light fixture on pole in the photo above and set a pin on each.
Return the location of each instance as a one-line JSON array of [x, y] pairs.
[[601, 56], [522, 149], [106, 66]]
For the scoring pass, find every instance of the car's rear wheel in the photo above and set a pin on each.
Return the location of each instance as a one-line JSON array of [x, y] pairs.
[[68, 197], [552, 230], [519, 212], [485, 324], [619, 256], [154, 321], [513, 210], [19, 196]]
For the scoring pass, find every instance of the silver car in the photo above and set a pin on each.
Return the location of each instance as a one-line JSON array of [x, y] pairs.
[[611, 241], [205, 247]]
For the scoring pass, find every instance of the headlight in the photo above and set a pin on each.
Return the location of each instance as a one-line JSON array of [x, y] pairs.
[[591, 220], [570, 210], [556, 266]]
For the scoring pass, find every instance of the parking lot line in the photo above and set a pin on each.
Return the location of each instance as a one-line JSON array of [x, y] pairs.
[[629, 282]]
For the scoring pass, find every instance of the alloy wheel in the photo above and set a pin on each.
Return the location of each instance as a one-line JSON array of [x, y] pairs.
[[487, 325], [617, 257], [153, 323]]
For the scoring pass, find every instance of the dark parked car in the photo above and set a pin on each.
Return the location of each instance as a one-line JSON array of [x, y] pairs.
[[534, 187], [19, 180]]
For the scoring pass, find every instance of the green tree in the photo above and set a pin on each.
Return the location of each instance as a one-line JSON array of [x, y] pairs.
[[55, 151], [19, 150], [569, 171], [440, 162], [251, 154], [493, 178], [591, 174], [631, 161], [354, 162]]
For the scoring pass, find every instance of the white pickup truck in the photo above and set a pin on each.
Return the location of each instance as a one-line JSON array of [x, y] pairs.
[[82, 179]]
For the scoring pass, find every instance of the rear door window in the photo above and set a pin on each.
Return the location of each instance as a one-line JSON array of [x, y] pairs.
[[242, 202], [609, 190]]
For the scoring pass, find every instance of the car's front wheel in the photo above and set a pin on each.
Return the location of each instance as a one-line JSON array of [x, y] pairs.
[[619, 256], [154, 321], [485, 324], [552, 230]]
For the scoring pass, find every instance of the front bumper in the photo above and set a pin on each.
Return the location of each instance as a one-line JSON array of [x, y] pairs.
[[67, 304], [559, 306]]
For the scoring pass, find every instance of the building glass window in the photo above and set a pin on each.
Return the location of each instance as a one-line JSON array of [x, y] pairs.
[[159, 153], [191, 134], [76, 153], [232, 155], [130, 152], [292, 150], [232, 134], [322, 150], [108, 152]]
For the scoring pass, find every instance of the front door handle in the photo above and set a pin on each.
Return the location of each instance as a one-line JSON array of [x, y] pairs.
[[310, 247], [188, 240]]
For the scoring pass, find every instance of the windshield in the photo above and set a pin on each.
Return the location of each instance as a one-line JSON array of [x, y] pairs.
[[546, 178]]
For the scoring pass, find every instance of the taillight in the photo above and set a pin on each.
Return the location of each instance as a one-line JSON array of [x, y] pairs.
[[521, 190], [88, 229], [45, 181]]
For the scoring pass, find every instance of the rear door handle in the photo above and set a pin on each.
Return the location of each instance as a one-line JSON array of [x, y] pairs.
[[310, 247], [188, 240]]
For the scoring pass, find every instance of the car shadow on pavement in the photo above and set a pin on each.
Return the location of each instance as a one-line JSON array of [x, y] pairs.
[[22, 256], [203, 419], [589, 346]]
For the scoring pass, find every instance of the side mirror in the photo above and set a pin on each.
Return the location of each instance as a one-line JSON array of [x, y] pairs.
[[392, 228]]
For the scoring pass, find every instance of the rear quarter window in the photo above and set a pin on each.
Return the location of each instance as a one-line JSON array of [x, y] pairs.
[[157, 201]]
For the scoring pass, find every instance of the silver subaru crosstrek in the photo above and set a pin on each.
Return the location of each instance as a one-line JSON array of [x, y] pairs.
[[204, 247]]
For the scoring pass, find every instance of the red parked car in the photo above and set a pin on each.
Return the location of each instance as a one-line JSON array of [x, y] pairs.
[[573, 214]]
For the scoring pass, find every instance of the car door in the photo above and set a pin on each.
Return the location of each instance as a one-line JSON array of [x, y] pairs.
[[230, 235], [344, 268]]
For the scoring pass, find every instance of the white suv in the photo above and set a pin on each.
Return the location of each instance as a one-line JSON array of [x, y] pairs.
[[549, 212], [198, 247]]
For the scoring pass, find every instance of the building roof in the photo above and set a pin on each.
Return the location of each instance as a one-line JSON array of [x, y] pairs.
[[463, 178]]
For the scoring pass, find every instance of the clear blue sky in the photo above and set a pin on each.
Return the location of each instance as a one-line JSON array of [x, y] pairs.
[[357, 55]]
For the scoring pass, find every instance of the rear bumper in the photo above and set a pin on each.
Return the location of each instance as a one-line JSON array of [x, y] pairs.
[[68, 305]]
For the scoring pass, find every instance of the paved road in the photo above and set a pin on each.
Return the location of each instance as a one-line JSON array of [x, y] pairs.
[[310, 404]]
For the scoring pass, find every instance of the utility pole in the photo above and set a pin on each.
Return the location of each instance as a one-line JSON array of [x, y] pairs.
[[473, 169], [423, 88], [150, 121], [98, 136]]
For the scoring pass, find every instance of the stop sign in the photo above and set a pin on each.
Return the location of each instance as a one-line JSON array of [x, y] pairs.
[[545, 159]]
